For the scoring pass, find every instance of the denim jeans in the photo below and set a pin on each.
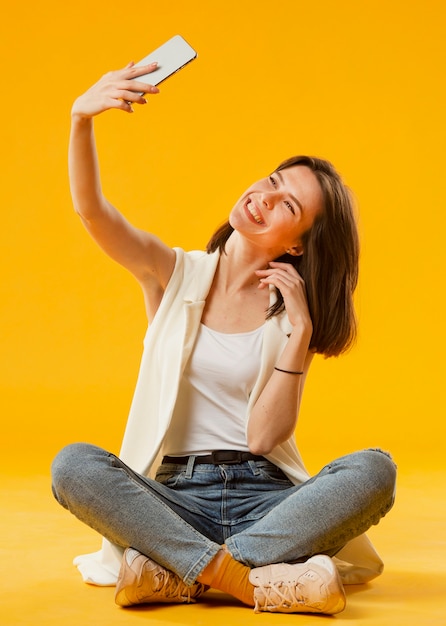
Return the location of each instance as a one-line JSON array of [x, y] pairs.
[[182, 518]]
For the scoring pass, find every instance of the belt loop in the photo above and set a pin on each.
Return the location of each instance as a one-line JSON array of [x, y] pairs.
[[190, 466], [253, 467]]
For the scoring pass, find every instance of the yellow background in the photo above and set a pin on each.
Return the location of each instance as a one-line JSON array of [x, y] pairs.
[[359, 83]]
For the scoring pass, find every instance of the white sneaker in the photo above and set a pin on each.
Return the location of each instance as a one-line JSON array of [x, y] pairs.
[[142, 581], [311, 587]]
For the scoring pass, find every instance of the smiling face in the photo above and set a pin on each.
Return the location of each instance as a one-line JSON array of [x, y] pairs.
[[276, 211]]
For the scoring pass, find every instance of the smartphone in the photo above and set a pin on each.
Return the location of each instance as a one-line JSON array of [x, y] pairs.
[[171, 57]]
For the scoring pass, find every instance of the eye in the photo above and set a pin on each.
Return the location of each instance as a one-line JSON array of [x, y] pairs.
[[273, 181], [290, 207]]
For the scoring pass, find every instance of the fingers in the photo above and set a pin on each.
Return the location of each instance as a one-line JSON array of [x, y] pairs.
[[281, 275], [287, 267], [139, 87], [131, 88], [291, 285], [115, 90], [140, 70], [132, 91]]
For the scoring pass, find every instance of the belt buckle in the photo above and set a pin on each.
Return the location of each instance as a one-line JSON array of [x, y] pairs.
[[226, 457]]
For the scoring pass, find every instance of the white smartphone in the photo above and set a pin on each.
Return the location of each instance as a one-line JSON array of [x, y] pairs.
[[171, 57]]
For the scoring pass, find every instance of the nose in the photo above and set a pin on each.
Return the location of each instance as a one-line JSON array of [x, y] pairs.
[[268, 200]]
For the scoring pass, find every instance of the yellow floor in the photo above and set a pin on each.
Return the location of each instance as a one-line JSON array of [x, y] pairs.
[[40, 586]]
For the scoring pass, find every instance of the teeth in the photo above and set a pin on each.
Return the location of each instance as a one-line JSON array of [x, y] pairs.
[[257, 217]]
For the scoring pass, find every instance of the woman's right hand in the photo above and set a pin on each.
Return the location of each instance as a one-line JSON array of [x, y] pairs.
[[115, 90]]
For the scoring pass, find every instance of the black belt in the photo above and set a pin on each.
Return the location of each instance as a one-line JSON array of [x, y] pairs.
[[218, 457]]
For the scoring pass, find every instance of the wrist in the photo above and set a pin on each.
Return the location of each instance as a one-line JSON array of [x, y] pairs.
[[293, 372], [294, 355], [80, 118], [300, 336], [79, 110], [81, 126]]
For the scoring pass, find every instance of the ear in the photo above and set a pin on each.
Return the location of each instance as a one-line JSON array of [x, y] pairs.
[[296, 250]]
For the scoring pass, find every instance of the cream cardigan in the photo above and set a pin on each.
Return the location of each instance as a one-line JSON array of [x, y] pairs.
[[167, 347]]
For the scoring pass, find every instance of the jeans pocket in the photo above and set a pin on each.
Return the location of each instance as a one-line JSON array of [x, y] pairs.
[[169, 477], [273, 474]]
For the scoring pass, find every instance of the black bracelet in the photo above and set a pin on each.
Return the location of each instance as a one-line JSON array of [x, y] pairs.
[[288, 371]]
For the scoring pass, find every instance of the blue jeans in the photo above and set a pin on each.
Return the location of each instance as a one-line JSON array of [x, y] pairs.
[[182, 518]]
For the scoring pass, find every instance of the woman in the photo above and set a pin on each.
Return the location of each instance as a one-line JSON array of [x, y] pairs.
[[232, 332]]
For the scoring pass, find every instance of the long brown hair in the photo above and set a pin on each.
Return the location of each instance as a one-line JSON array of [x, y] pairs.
[[329, 264]]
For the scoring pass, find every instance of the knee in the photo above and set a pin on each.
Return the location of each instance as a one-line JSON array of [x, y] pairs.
[[67, 469], [380, 470], [69, 460]]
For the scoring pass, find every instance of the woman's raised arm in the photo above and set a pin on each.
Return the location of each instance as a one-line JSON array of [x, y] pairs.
[[142, 253]]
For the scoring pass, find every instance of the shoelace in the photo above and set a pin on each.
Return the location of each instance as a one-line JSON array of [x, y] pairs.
[[171, 586], [289, 599]]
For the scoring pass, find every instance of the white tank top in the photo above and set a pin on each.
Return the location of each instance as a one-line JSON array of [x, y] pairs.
[[210, 411]]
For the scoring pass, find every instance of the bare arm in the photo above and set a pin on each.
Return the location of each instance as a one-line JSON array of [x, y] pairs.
[[274, 416], [142, 253]]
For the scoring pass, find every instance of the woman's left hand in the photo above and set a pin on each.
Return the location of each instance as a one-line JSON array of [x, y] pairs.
[[292, 287]]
